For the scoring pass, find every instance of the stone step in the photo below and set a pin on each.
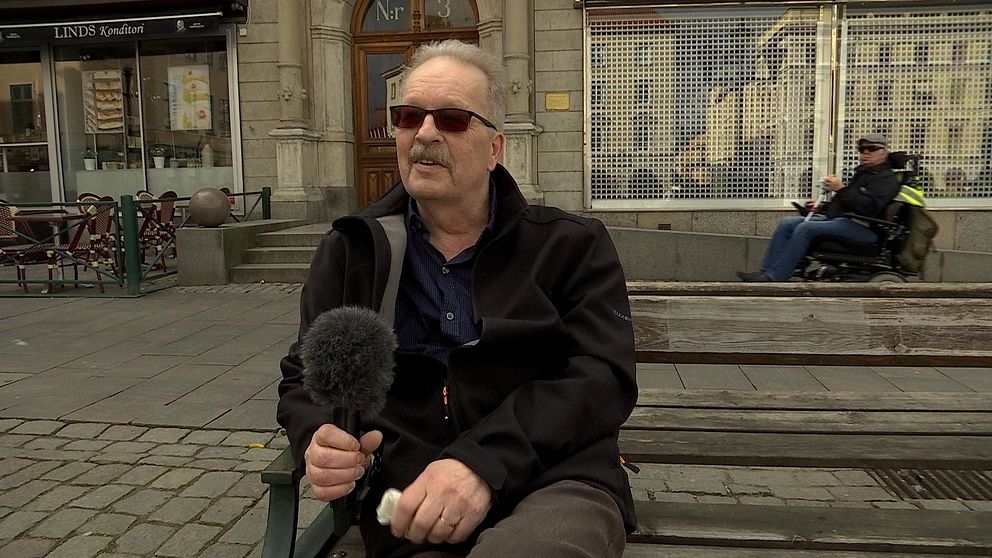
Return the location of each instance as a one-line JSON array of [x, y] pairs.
[[279, 254], [289, 238], [270, 273]]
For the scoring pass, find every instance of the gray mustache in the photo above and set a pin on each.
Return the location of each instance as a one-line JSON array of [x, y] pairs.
[[420, 152]]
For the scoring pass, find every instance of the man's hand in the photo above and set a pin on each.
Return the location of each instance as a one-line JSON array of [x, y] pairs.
[[445, 504], [336, 460], [833, 183]]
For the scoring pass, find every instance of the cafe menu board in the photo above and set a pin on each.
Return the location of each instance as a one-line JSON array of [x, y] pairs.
[[103, 101], [189, 97]]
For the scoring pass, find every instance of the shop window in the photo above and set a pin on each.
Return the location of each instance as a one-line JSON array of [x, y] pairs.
[[168, 128], [96, 88], [24, 154], [22, 106], [187, 115]]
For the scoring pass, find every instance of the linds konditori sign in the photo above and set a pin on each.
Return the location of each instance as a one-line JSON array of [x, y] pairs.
[[108, 29]]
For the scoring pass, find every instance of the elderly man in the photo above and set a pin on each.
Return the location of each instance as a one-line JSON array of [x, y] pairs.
[[867, 193], [514, 368]]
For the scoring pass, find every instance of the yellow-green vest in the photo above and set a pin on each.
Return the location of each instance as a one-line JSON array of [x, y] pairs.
[[911, 192]]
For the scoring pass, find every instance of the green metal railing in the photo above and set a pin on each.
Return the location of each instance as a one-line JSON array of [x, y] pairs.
[[133, 254]]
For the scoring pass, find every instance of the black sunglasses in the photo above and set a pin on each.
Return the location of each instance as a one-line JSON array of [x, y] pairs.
[[445, 119], [869, 148]]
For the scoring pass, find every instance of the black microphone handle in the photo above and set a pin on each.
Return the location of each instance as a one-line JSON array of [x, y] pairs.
[[343, 508], [346, 419]]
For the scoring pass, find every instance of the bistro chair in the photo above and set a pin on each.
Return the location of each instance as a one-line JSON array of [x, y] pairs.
[[230, 200], [148, 230], [13, 251], [167, 218], [49, 251], [97, 247], [157, 227]]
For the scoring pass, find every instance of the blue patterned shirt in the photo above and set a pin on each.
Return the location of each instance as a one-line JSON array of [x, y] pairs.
[[434, 305]]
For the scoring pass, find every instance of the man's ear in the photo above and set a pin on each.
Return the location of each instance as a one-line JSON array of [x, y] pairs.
[[497, 144]]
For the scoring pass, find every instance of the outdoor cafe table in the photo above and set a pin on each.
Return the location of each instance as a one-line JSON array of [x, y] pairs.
[[60, 222]]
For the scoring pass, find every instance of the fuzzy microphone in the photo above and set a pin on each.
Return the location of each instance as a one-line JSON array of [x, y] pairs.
[[347, 369], [348, 363]]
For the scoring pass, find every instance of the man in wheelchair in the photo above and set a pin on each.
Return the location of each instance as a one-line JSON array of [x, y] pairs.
[[848, 217]]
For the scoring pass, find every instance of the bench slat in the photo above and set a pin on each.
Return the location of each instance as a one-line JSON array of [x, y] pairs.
[[810, 422], [639, 550], [814, 528], [931, 330], [806, 450], [825, 400]]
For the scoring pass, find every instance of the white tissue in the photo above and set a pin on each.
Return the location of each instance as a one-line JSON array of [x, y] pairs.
[[387, 506]]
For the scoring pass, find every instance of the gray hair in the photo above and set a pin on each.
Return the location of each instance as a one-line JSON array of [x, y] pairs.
[[473, 56]]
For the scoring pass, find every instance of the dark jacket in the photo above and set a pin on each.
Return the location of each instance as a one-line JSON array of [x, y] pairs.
[[538, 399], [867, 193]]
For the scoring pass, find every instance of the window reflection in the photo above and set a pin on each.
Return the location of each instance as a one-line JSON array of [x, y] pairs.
[[187, 116], [442, 14], [384, 73], [99, 121], [24, 163]]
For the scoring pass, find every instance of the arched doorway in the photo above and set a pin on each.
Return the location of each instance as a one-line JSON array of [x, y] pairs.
[[386, 33]]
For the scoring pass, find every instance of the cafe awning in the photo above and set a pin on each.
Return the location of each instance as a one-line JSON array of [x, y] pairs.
[[27, 21]]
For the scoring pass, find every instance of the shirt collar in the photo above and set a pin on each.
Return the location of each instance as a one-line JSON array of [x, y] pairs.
[[414, 221]]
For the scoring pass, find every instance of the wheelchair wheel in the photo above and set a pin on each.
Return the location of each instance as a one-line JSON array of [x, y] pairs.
[[886, 277]]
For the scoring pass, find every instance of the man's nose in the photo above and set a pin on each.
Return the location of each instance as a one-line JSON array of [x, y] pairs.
[[427, 130]]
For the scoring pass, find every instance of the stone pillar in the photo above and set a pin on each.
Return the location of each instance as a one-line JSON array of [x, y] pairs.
[[292, 94], [333, 109], [296, 142], [521, 130]]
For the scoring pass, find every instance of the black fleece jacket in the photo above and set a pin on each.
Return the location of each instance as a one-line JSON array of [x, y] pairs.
[[541, 395], [867, 193]]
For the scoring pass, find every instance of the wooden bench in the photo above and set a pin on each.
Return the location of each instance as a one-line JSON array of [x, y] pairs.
[[945, 431]]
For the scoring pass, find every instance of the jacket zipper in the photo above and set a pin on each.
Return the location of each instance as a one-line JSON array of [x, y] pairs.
[[444, 401]]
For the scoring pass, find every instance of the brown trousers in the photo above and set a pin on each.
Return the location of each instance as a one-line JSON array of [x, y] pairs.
[[568, 519]]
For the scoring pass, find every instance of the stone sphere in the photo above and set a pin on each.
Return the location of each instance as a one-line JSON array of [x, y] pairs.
[[208, 207]]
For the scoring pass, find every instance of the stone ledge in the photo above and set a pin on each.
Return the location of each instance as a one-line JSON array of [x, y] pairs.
[[208, 254]]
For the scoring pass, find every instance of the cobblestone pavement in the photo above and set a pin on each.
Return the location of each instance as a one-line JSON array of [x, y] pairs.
[[77, 490]]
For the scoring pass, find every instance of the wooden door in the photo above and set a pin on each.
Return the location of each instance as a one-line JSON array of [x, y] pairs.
[[386, 34]]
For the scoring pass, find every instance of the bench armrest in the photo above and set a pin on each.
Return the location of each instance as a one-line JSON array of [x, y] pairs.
[[282, 470], [283, 478]]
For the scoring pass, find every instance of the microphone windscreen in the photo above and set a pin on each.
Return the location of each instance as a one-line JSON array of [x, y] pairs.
[[348, 359]]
